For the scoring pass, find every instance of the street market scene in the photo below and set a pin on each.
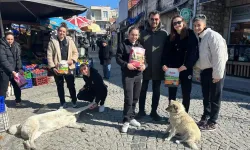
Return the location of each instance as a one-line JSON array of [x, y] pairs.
[[124, 74]]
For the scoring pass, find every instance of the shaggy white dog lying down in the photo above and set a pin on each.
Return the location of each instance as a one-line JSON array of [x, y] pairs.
[[36, 125]]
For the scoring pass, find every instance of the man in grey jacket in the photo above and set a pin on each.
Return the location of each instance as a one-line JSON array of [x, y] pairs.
[[153, 39]]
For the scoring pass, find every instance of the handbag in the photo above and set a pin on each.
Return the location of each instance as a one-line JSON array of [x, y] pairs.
[[20, 80]]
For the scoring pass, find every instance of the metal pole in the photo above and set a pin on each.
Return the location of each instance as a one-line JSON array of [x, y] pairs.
[[1, 23]]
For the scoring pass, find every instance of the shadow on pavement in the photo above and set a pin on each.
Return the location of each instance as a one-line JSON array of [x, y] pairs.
[[25, 104], [246, 106]]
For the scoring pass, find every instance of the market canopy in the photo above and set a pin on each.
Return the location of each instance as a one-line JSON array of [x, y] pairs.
[[34, 10]]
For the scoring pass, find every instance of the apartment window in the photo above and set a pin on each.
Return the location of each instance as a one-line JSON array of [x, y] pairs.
[[105, 14], [93, 14]]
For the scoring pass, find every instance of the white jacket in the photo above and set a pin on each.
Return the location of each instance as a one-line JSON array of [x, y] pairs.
[[212, 53]]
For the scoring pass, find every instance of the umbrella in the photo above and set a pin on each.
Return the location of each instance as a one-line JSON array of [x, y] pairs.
[[55, 22], [34, 10], [92, 28], [79, 21]]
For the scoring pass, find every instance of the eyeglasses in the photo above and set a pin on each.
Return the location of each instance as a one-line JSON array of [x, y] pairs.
[[200, 16], [178, 22], [154, 19]]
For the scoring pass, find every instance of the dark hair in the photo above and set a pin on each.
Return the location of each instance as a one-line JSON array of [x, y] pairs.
[[184, 31], [155, 12], [63, 25], [9, 33], [133, 28]]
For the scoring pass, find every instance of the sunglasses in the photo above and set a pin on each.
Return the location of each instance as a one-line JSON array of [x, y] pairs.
[[178, 22]]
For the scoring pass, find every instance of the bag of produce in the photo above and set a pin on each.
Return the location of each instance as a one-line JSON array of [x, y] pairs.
[[137, 56], [172, 77], [63, 67]]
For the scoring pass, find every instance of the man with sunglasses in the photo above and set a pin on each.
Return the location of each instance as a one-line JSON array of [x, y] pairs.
[[153, 39]]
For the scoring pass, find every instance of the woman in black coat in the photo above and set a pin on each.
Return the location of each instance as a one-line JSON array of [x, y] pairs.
[[182, 53], [131, 78], [10, 65]]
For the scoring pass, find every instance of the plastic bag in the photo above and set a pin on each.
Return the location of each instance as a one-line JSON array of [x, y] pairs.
[[63, 67], [20, 80], [137, 56], [172, 77]]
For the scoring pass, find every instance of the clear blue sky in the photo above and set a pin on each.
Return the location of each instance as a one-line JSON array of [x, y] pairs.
[[88, 3]]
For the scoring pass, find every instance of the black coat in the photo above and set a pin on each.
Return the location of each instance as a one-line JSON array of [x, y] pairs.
[[105, 55], [122, 57], [181, 51], [10, 57]]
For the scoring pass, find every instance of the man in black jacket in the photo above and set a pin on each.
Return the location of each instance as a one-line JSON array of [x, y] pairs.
[[10, 65], [94, 87]]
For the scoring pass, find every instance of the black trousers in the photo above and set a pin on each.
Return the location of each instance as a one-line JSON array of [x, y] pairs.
[[89, 95], [212, 94], [4, 83], [93, 47], [186, 87], [132, 88], [155, 98], [70, 80]]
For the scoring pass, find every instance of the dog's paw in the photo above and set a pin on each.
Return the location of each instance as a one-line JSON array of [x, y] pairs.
[[177, 142]]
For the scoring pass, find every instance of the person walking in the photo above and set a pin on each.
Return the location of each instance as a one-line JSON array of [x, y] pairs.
[[10, 65], [181, 52], [131, 78], [213, 56], [63, 48], [153, 39]]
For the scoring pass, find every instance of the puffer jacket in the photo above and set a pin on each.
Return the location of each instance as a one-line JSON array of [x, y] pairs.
[[212, 53], [154, 43], [10, 57]]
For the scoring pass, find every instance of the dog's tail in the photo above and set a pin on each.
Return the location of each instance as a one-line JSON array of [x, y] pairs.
[[15, 129], [192, 145]]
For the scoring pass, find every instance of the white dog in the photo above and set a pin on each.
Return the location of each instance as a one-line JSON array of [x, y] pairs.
[[36, 125]]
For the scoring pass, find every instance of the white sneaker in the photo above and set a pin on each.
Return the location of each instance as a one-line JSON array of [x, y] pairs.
[[101, 108], [125, 127], [135, 123]]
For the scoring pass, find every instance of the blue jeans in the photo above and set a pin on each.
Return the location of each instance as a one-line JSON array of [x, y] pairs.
[[106, 71]]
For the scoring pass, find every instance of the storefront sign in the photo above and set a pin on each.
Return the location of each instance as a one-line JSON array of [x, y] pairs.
[[186, 13], [241, 14], [206, 1]]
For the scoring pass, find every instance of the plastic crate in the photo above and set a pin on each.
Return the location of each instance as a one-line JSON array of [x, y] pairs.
[[27, 75], [28, 69], [2, 104], [4, 121], [28, 85], [43, 74], [40, 81]]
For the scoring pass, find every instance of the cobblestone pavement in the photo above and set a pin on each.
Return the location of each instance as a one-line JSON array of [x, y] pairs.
[[103, 133]]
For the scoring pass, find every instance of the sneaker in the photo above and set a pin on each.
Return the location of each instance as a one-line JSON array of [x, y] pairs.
[[135, 123], [208, 127], [156, 117], [63, 106], [202, 122], [140, 115], [74, 105], [101, 108], [125, 127]]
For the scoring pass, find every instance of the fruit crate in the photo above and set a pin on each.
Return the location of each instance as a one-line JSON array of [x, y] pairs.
[[27, 75], [29, 67], [40, 81], [42, 74], [2, 104], [29, 84]]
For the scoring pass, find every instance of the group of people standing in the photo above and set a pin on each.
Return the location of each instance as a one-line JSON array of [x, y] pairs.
[[185, 49]]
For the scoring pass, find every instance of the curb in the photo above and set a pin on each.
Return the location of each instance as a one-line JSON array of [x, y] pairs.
[[230, 90]]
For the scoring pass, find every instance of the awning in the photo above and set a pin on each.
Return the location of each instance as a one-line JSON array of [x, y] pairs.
[[34, 10]]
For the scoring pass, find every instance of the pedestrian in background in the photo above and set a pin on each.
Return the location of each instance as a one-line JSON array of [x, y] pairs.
[[153, 39], [181, 52], [105, 56], [131, 78], [10, 65], [213, 56], [63, 48]]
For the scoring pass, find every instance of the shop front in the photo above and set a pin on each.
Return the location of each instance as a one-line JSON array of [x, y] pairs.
[[239, 42]]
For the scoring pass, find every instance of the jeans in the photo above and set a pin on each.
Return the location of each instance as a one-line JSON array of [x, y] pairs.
[[132, 88], [186, 87], [70, 80], [155, 98], [212, 94], [106, 71], [4, 83]]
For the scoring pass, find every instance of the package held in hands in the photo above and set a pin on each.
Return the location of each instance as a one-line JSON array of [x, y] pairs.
[[137, 56], [63, 67], [20, 80], [172, 77]]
